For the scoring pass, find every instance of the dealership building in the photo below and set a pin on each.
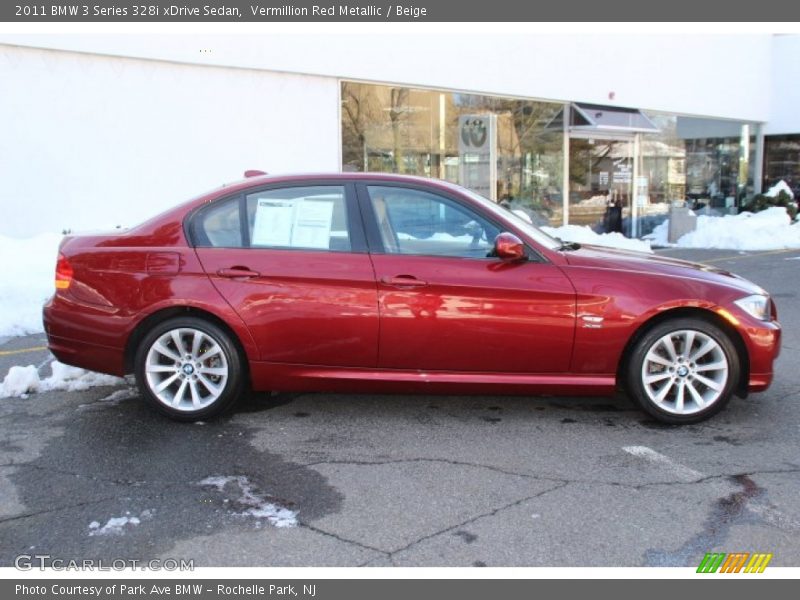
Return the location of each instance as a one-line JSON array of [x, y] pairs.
[[105, 130]]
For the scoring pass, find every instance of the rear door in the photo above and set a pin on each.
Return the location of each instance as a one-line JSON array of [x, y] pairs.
[[292, 261], [445, 304]]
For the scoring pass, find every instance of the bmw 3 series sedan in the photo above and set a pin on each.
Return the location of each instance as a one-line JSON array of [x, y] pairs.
[[394, 284]]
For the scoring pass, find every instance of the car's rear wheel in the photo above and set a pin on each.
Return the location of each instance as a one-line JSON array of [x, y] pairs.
[[683, 370], [189, 369]]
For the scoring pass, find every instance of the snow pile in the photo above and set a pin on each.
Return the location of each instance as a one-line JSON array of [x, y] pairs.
[[769, 229], [21, 381], [522, 215], [114, 526], [255, 506], [585, 235], [27, 272], [779, 187]]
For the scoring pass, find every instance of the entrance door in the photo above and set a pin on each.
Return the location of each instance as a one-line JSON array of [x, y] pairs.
[[601, 172]]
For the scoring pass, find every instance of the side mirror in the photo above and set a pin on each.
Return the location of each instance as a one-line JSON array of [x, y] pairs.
[[509, 247]]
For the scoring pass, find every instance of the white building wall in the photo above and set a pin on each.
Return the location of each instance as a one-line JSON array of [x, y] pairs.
[[699, 74], [99, 130], [92, 141], [784, 91]]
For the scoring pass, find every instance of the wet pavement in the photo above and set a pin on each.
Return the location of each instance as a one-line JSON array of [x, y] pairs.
[[407, 480]]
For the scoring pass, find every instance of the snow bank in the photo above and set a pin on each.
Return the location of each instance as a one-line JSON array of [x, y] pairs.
[[522, 215], [21, 381], [779, 187], [770, 229], [585, 235], [27, 271]]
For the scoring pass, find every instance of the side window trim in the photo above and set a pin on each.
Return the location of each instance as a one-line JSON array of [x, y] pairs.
[[243, 224], [355, 221], [375, 240]]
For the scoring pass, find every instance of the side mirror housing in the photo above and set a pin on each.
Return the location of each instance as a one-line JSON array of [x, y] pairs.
[[509, 247]]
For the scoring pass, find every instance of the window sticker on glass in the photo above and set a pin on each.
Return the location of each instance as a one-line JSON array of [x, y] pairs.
[[273, 224], [312, 223], [295, 223]]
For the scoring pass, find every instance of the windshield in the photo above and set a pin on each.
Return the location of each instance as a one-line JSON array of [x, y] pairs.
[[534, 232]]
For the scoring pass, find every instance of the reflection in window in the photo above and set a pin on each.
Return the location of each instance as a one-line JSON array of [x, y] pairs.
[[432, 134], [708, 162], [782, 161], [415, 222]]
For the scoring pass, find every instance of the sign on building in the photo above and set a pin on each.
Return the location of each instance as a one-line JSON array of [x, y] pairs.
[[477, 154]]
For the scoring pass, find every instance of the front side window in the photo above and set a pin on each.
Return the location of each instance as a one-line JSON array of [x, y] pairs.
[[308, 217], [416, 222]]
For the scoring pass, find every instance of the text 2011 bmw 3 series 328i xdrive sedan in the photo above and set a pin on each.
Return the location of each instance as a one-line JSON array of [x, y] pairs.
[[385, 283]]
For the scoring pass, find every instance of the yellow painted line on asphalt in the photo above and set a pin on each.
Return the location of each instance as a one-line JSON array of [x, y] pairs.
[[765, 253], [22, 350]]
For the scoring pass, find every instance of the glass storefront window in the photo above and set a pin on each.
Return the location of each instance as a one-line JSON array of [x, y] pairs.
[[782, 161], [512, 151], [505, 149], [709, 162]]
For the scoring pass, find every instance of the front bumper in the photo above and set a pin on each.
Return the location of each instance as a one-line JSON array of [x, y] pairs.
[[763, 342]]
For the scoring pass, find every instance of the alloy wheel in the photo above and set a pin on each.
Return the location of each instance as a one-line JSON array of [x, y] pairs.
[[186, 369], [685, 371]]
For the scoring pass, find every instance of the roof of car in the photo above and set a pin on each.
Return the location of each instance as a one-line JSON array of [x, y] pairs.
[[355, 175], [257, 180]]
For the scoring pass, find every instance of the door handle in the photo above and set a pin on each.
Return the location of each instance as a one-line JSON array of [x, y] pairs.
[[238, 271], [404, 281]]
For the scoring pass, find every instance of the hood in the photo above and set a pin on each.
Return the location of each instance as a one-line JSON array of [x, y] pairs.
[[601, 257]]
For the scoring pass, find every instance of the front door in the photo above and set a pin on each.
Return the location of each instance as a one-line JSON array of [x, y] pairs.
[[297, 273], [601, 181], [445, 305]]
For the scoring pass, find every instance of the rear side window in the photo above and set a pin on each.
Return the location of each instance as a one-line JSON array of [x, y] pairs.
[[308, 217], [219, 225]]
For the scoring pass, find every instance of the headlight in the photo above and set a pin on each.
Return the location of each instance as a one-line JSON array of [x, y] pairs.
[[755, 305]]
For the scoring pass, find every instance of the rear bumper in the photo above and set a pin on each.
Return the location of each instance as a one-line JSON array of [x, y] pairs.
[[87, 356], [84, 353]]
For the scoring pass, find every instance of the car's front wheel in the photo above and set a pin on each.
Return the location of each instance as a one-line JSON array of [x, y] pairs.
[[683, 370], [189, 369]]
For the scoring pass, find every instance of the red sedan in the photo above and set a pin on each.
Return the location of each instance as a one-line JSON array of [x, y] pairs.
[[386, 283]]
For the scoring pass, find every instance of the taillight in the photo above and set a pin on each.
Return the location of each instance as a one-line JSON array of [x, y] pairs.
[[63, 273]]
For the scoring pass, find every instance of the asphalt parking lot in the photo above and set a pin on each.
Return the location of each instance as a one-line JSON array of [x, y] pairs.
[[408, 480]]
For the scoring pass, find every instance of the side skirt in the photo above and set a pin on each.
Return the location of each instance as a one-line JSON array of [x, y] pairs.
[[314, 378]]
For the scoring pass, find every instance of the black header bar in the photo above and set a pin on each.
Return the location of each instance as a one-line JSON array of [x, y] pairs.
[[179, 11]]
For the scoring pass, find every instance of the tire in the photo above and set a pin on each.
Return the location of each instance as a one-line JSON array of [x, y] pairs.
[[202, 381], [680, 385]]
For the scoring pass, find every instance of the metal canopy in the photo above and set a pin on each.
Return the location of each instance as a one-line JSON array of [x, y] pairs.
[[599, 119], [596, 117]]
